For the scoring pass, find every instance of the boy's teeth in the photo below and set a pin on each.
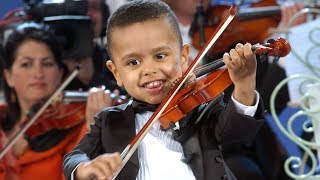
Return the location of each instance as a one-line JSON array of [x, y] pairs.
[[153, 84]]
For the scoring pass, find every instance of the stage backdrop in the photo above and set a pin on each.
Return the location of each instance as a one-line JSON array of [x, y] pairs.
[[7, 5]]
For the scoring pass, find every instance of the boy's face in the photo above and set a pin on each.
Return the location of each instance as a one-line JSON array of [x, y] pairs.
[[147, 59]]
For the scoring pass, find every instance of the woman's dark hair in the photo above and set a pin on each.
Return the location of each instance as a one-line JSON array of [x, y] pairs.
[[141, 11], [105, 14], [22, 33]]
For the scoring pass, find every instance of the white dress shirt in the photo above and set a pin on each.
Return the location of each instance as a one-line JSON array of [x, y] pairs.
[[160, 157]]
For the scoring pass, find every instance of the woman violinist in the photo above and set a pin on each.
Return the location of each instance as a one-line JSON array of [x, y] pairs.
[[32, 70]]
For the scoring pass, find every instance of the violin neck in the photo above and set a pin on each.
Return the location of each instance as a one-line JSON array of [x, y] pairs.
[[74, 96], [258, 12], [207, 68]]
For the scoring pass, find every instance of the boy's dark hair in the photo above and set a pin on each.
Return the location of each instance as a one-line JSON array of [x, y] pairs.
[[140, 11]]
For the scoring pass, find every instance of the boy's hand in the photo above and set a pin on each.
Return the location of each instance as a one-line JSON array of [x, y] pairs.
[[102, 167], [242, 65]]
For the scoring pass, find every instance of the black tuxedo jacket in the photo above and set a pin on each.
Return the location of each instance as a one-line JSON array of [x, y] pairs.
[[115, 127]]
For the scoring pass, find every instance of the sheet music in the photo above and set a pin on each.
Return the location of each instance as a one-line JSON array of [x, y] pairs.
[[299, 39]]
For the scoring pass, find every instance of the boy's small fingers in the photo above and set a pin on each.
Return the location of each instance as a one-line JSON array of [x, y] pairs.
[[103, 169], [98, 174], [227, 59], [118, 157], [234, 56], [239, 48], [90, 171], [247, 49], [114, 165]]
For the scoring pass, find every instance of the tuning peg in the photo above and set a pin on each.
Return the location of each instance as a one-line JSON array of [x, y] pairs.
[[276, 59], [271, 41], [263, 57]]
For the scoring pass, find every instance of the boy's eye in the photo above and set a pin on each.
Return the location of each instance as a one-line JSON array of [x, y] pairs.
[[133, 62], [160, 56]]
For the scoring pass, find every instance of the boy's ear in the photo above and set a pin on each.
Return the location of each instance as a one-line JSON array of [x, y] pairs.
[[111, 66], [185, 57]]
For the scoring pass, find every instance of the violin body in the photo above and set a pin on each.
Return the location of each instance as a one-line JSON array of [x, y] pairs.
[[250, 25], [58, 116], [37, 165], [209, 86], [203, 90], [68, 113]]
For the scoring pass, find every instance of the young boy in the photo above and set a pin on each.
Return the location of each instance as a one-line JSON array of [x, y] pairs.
[[147, 56]]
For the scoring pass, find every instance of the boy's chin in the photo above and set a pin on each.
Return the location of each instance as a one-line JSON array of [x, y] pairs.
[[153, 101]]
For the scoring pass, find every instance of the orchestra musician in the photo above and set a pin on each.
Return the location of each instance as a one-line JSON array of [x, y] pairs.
[[93, 73], [185, 12], [147, 56], [254, 161], [32, 72]]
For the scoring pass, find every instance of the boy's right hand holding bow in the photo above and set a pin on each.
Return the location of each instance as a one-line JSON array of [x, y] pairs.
[[102, 167]]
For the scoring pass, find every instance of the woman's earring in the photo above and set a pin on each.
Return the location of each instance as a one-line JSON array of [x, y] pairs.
[[13, 97]]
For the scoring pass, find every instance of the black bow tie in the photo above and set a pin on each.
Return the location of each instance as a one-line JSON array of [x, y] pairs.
[[140, 106]]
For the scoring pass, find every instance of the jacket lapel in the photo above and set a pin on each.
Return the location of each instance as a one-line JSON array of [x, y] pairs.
[[117, 138]]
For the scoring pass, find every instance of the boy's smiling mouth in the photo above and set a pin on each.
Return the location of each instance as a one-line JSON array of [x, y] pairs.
[[154, 86]]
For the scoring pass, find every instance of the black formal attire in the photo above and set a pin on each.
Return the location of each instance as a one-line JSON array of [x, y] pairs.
[[221, 124]]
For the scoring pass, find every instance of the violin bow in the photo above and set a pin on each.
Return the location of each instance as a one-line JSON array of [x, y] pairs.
[[135, 142], [54, 96]]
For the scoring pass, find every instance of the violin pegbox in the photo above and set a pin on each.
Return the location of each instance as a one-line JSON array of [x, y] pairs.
[[276, 48]]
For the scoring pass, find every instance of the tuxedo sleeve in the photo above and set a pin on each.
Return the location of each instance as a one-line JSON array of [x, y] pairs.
[[87, 149], [236, 127]]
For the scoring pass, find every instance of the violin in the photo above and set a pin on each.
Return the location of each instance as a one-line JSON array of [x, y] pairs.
[[66, 113], [250, 25], [208, 87], [55, 114]]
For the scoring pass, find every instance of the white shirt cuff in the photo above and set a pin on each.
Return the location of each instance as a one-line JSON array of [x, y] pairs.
[[74, 170], [247, 110]]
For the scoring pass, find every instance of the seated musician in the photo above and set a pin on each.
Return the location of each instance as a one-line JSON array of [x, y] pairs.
[[32, 72]]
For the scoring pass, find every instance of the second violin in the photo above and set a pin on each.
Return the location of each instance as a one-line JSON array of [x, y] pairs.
[[251, 24], [66, 113]]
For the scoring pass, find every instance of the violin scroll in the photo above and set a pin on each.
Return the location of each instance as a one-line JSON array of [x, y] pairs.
[[276, 48]]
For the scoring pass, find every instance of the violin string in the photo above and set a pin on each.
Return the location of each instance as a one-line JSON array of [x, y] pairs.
[[209, 67]]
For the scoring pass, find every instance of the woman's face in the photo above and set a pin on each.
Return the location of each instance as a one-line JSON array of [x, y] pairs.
[[34, 74]]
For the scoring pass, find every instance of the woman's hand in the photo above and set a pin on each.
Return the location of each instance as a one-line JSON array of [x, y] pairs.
[[98, 99], [288, 10]]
